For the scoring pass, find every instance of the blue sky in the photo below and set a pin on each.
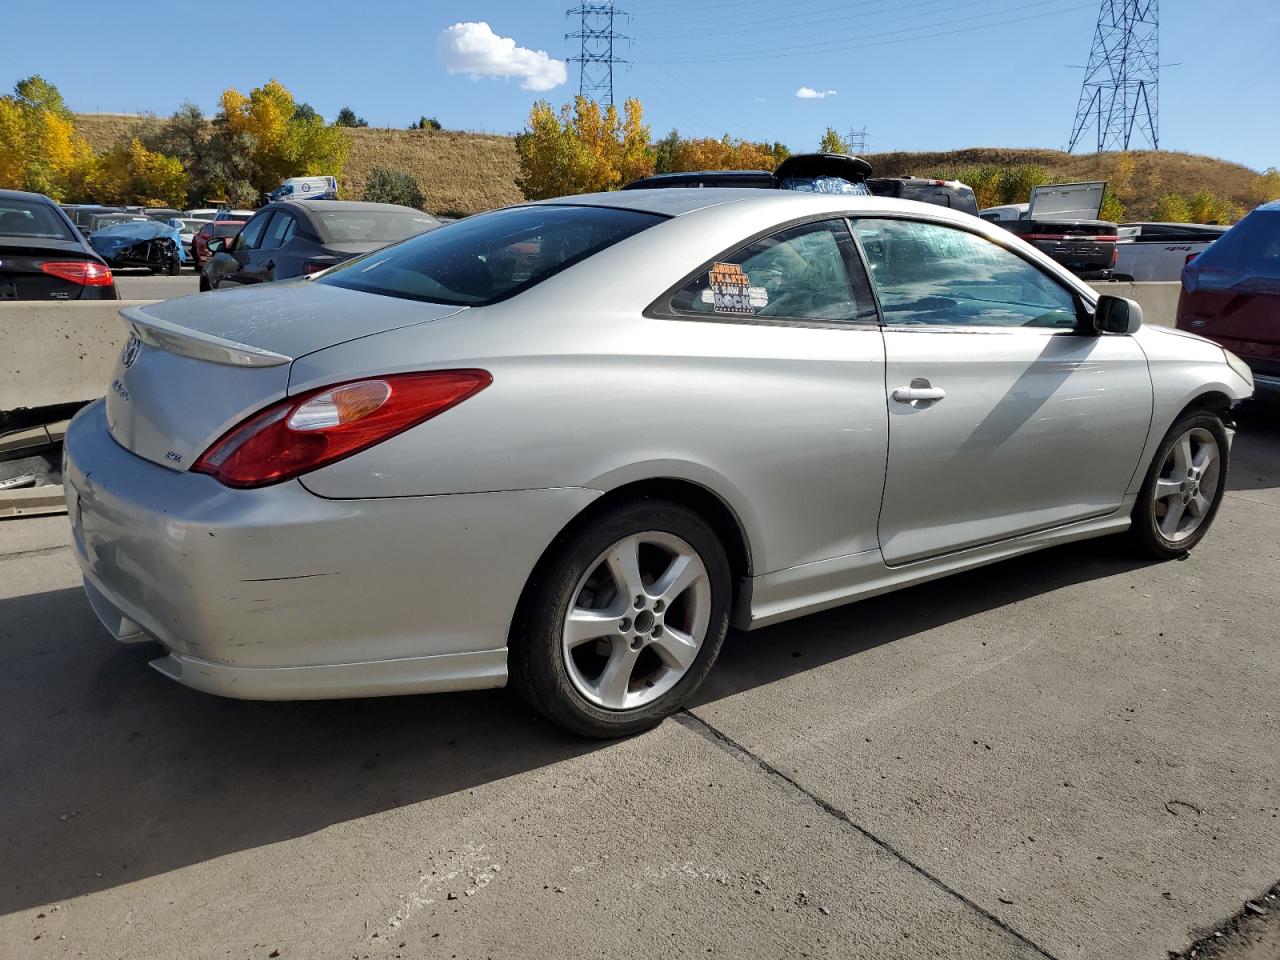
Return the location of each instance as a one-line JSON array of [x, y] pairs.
[[999, 77]]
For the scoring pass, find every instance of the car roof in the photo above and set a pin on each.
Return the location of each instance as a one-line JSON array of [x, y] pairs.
[[24, 195], [352, 206], [782, 204]]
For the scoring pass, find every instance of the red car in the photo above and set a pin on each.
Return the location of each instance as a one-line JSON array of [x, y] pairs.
[[1231, 294], [217, 228]]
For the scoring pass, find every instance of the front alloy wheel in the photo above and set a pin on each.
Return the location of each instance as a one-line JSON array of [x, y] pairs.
[[622, 620], [1184, 486]]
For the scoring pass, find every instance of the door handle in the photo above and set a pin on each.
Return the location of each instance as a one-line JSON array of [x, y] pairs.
[[919, 390]]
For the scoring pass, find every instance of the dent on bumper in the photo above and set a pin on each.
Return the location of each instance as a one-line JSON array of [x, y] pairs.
[[278, 593]]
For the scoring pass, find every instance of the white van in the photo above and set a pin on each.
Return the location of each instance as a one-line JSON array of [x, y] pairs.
[[306, 188]]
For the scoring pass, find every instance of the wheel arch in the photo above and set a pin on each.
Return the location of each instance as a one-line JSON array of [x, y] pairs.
[[708, 504]]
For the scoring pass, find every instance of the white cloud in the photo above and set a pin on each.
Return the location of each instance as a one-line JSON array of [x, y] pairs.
[[473, 48], [808, 93]]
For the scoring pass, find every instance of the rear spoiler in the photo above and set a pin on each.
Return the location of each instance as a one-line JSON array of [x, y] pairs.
[[192, 343]]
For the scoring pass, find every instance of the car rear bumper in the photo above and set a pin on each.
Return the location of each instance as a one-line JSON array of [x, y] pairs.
[[277, 593]]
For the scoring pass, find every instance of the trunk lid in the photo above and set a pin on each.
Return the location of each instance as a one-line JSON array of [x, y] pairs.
[[22, 279], [196, 366], [1067, 201]]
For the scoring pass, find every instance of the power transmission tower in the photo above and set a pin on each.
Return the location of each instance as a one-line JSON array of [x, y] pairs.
[[858, 140], [596, 31], [1121, 81]]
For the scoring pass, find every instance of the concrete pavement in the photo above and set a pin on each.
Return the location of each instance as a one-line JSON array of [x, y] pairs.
[[1069, 755]]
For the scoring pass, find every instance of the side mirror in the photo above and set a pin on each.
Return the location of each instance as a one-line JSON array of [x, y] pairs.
[[1117, 315], [217, 245]]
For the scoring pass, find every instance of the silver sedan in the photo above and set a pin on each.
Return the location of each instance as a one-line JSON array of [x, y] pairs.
[[569, 444]]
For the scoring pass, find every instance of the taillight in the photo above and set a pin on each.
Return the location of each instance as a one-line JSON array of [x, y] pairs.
[[309, 431], [84, 272], [1115, 255], [1190, 257], [310, 268]]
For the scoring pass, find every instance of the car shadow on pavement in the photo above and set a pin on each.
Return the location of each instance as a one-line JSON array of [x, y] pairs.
[[110, 773]]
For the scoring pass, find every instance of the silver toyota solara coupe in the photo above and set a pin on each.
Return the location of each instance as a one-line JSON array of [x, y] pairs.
[[570, 443]]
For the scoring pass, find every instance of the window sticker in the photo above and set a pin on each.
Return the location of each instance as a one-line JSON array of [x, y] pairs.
[[731, 291]]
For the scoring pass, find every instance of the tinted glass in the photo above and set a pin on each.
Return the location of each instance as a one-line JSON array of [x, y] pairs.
[[27, 218], [371, 226], [224, 228], [490, 256], [280, 233], [1249, 250], [927, 273], [799, 273], [252, 232]]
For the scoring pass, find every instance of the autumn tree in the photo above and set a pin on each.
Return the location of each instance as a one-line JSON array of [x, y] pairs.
[[832, 142], [282, 143], [40, 149], [1172, 208], [130, 173], [725, 154], [582, 149], [1266, 186]]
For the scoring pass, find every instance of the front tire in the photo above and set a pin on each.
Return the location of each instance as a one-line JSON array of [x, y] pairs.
[[623, 620], [1184, 487]]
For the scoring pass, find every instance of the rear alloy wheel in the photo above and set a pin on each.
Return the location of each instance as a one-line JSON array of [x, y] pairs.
[[625, 622], [1184, 487]]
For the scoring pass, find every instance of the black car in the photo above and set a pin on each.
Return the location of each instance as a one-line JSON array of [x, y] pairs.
[[44, 257], [818, 172], [294, 238]]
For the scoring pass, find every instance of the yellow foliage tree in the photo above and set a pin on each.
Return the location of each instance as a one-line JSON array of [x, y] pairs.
[[1205, 207], [130, 173], [285, 143], [40, 149], [1266, 186], [725, 154], [582, 149], [832, 142], [1172, 208]]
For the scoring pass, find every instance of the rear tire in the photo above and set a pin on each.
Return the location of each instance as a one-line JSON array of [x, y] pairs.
[[1184, 487], [623, 620], [204, 284]]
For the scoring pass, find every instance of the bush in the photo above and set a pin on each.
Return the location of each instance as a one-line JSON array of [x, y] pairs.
[[347, 118], [832, 142], [1266, 186], [426, 123], [393, 186]]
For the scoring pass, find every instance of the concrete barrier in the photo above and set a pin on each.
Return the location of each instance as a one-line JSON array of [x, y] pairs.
[[1159, 301], [58, 353]]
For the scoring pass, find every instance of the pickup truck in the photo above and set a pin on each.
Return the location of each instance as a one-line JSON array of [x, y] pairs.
[[1159, 251], [1062, 221]]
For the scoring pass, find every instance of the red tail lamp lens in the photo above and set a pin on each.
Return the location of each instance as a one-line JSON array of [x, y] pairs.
[[309, 431], [84, 272]]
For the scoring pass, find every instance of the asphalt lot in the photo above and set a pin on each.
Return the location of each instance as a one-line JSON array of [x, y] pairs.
[[1071, 755], [143, 285]]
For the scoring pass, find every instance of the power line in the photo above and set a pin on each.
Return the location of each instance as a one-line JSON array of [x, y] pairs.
[[595, 60], [842, 46], [1121, 88]]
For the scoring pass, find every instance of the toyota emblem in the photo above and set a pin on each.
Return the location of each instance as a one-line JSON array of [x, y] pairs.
[[131, 349]]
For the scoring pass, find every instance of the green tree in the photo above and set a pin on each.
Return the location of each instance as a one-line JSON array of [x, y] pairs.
[[665, 152], [347, 118], [1266, 186], [304, 111], [426, 123], [393, 186], [832, 142], [1172, 208], [1112, 208], [1016, 183]]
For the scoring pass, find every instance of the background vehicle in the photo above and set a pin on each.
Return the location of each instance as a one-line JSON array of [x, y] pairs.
[[44, 257], [294, 238], [98, 221], [1061, 220], [814, 172], [1159, 251], [524, 443], [306, 188], [146, 243], [81, 214], [163, 214], [1231, 294], [226, 229], [188, 227]]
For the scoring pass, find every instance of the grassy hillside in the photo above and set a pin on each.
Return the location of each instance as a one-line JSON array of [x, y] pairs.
[[463, 173], [1155, 172]]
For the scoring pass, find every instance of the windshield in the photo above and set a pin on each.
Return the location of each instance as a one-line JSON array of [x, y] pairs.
[[491, 256], [372, 226], [1246, 257], [27, 218]]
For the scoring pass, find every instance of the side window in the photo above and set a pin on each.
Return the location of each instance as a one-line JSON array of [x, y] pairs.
[[800, 273], [927, 273], [249, 236], [281, 232]]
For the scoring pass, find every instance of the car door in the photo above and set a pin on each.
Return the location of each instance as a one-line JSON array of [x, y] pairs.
[[238, 265], [804, 433], [1006, 415], [267, 262]]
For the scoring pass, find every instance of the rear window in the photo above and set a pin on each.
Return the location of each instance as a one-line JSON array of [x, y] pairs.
[[1250, 249], [27, 218], [371, 226], [226, 228], [491, 256]]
